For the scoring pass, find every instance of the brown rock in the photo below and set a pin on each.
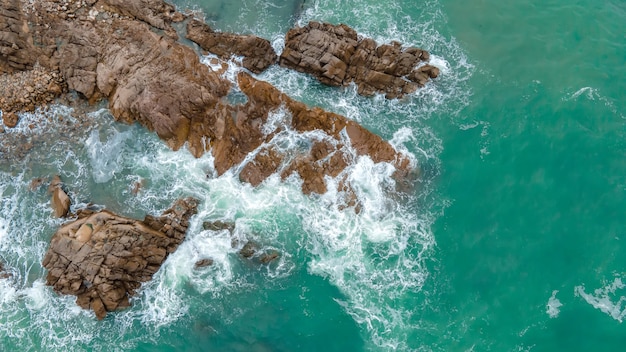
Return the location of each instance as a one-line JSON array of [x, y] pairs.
[[218, 225], [257, 52], [150, 78], [248, 249], [336, 56], [10, 119], [269, 257], [102, 258], [202, 263], [4, 274], [157, 13], [60, 200]]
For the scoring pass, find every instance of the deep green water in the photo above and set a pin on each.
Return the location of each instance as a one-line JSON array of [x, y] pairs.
[[511, 240]]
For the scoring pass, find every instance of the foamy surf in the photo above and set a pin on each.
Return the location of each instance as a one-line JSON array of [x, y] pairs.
[[607, 299], [553, 307]]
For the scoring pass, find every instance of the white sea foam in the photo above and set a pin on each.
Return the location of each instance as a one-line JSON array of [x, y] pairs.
[[105, 156], [606, 298], [593, 94], [553, 307]]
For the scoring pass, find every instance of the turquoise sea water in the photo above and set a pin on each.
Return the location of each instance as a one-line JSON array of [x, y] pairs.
[[511, 239]]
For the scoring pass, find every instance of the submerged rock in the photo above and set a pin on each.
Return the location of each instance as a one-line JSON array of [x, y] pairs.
[[218, 225], [203, 263], [103, 258], [269, 257], [336, 56], [4, 274]]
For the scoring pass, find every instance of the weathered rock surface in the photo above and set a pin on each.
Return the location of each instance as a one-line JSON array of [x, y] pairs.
[[336, 56], [103, 258], [17, 52], [60, 200], [257, 53], [156, 13]]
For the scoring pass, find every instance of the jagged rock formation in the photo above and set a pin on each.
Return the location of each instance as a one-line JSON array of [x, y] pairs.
[[336, 56], [128, 53], [329, 155], [257, 53], [103, 258]]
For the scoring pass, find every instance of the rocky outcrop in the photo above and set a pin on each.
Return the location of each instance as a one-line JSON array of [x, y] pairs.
[[257, 53], [17, 52], [60, 200], [336, 56], [340, 142], [121, 51], [103, 258]]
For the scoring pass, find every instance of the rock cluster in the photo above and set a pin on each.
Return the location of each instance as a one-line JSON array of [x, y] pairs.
[[336, 56], [257, 53], [103, 258]]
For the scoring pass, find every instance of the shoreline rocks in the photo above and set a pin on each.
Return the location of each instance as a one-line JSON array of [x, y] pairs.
[[102, 258]]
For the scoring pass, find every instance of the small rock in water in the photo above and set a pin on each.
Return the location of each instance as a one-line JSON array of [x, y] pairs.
[[218, 226], [36, 183], [248, 249], [3, 273], [269, 257], [10, 119], [202, 263], [60, 200]]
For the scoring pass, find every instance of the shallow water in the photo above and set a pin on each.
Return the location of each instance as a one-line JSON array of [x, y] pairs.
[[511, 239]]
